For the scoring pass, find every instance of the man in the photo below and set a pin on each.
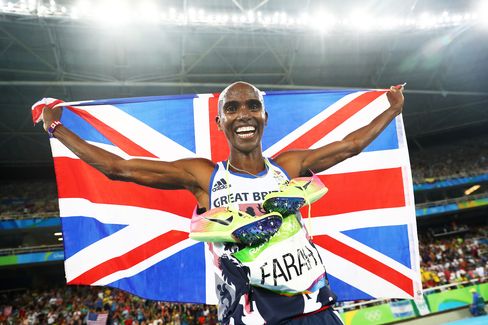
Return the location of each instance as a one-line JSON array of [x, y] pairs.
[[252, 289], [477, 306]]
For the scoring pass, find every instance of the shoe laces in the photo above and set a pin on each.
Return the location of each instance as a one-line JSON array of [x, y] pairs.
[[287, 183]]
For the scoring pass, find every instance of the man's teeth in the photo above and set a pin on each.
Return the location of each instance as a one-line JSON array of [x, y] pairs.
[[243, 129]]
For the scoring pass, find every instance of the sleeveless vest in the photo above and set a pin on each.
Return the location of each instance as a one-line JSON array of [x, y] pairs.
[[272, 282]]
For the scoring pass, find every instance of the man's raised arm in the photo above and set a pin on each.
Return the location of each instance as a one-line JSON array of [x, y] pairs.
[[300, 162], [181, 174]]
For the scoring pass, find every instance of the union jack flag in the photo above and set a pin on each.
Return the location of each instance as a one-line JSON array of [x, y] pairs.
[[136, 238]]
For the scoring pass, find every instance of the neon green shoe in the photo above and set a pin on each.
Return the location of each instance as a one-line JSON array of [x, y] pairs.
[[224, 225], [299, 192]]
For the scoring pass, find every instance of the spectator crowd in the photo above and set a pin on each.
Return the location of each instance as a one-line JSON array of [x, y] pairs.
[[454, 258], [25, 198], [73, 305], [460, 160]]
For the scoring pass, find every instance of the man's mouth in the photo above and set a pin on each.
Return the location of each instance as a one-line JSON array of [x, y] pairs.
[[245, 131]]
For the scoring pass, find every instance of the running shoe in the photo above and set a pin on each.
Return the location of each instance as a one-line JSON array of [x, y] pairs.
[[224, 225], [294, 195]]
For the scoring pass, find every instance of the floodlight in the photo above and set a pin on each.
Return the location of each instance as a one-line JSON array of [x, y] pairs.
[[425, 21], [113, 13], [472, 189], [482, 11], [74, 13], [148, 12], [322, 21], [192, 13], [361, 20], [125, 11], [250, 16]]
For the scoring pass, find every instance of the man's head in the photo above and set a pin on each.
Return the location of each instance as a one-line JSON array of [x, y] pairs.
[[236, 86], [241, 116]]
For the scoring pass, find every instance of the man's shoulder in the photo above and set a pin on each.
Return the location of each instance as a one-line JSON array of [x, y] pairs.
[[200, 164]]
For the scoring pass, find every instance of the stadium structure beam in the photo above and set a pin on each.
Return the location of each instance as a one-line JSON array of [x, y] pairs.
[[6, 47], [251, 62], [55, 50], [248, 74], [27, 48], [238, 5], [227, 63], [450, 128], [67, 83], [276, 56], [291, 62], [259, 5], [384, 61], [28, 71], [205, 54], [72, 75], [452, 108]]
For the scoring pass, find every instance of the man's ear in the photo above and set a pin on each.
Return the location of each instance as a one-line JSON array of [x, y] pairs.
[[265, 118], [217, 120]]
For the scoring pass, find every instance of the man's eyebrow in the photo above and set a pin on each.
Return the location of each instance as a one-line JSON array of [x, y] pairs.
[[231, 102], [253, 101]]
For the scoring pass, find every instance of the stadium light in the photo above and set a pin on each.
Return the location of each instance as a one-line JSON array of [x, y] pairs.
[[60, 239], [361, 20], [58, 233], [482, 12], [113, 12], [472, 189]]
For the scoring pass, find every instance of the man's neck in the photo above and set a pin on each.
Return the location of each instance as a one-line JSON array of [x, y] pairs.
[[252, 163]]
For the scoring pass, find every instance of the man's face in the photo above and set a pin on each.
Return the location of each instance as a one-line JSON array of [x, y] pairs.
[[242, 117]]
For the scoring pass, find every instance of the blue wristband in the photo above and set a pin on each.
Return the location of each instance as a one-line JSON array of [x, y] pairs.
[[53, 127]]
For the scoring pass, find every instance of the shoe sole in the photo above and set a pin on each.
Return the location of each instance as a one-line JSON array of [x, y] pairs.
[[256, 232], [286, 205]]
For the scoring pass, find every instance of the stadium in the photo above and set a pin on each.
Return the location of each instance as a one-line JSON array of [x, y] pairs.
[[82, 50]]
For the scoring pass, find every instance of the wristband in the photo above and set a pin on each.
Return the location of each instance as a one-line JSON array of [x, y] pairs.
[[53, 127]]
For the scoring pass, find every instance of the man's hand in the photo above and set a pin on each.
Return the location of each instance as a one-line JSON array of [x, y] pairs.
[[49, 115], [395, 97]]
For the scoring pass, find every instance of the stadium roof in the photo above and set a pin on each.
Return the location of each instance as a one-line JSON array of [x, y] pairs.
[[440, 51]]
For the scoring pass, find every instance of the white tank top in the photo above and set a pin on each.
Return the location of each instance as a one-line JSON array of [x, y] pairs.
[[244, 191], [288, 266]]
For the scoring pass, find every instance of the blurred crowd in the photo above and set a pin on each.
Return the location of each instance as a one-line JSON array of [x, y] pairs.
[[79, 304], [450, 162], [24, 198], [454, 258]]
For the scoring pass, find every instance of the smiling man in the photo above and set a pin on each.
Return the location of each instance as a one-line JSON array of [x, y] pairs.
[[286, 282]]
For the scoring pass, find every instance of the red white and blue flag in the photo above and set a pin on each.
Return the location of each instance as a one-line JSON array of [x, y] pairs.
[[136, 238]]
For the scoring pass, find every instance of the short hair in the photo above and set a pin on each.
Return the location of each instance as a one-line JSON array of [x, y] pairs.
[[222, 94]]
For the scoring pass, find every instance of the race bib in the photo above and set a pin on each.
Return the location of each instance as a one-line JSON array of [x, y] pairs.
[[294, 266]]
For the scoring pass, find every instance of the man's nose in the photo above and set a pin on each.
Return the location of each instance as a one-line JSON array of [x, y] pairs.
[[243, 112]]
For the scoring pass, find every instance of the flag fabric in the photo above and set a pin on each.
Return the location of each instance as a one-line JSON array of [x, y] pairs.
[[97, 319], [136, 238]]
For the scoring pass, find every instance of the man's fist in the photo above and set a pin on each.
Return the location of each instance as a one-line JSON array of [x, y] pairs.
[[44, 110], [49, 115], [395, 97]]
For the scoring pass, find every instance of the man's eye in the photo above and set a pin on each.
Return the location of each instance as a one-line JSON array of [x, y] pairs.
[[255, 106], [230, 108]]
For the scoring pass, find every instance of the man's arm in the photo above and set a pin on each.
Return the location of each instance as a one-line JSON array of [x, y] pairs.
[[181, 174], [300, 162]]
